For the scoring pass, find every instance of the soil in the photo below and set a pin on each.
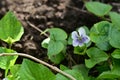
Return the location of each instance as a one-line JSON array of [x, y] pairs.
[[43, 14]]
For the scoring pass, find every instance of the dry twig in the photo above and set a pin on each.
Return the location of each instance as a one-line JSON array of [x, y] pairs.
[[40, 61], [33, 26]]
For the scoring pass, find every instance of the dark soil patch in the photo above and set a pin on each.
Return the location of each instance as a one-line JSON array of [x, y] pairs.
[[43, 14]]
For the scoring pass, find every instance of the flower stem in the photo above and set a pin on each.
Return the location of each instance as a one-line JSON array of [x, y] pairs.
[[6, 72]]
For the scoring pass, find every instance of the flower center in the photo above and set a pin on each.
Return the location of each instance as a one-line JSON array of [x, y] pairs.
[[80, 38]]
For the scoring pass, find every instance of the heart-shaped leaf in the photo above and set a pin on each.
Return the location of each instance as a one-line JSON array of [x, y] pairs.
[[11, 29], [57, 45], [100, 31], [99, 34]]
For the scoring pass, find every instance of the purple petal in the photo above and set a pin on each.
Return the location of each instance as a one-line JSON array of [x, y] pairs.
[[81, 31], [75, 42], [81, 44], [74, 35], [85, 39]]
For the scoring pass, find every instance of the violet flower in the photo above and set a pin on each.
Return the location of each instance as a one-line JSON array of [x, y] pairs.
[[79, 37]]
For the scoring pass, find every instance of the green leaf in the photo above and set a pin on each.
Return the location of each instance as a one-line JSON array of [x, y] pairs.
[[116, 54], [70, 40], [57, 41], [115, 18], [7, 61], [61, 77], [116, 67], [92, 78], [97, 8], [104, 46], [99, 34], [57, 58], [57, 50], [11, 29], [108, 75], [83, 70], [62, 67], [114, 73], [55, 47], [114, 37], [96, 56], [76, 74], [80, 50], [100, 31], [57, 34], [14, 69], [14, 72], [32, 71]]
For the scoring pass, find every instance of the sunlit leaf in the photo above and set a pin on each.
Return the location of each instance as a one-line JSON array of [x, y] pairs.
[[7, 61], [32, 71], [14, 72], [11, 29]]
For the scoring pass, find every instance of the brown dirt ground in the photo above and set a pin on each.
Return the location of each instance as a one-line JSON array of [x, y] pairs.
[[43, 14]]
